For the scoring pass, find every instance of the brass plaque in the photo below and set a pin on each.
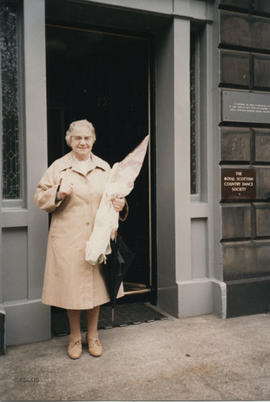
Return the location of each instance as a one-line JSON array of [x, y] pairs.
[[238, 184]]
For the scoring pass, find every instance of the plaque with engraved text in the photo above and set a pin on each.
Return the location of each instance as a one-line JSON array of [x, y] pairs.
[[238, 184], [240, 106]]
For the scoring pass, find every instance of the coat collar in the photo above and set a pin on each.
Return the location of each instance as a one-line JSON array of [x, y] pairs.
[[67, 162]]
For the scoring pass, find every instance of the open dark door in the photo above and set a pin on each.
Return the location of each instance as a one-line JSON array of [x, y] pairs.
[[104, 77]]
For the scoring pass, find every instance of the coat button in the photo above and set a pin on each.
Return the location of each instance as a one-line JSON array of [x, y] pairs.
[[87, 223]]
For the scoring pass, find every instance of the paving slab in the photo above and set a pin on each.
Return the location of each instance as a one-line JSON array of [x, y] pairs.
[[199, 358]]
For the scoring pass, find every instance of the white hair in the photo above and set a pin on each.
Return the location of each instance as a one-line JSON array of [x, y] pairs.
[[83, 126]]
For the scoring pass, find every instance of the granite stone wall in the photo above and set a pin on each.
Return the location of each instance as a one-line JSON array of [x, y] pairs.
[[244, 52]]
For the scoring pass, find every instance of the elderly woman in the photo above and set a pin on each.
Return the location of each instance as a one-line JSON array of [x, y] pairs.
[[71, 188]]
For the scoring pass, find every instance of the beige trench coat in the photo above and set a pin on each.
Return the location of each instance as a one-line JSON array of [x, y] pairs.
[[69, 281]]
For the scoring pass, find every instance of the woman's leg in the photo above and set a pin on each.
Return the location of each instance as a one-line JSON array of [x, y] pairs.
[[92, 322], [94, 345], [74, 318], [75, 339]]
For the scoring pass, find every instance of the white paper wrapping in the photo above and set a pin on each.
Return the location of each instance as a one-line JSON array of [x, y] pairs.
[[120, 182]]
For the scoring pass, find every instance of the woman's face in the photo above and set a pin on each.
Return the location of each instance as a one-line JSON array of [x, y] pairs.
[[81, 145]]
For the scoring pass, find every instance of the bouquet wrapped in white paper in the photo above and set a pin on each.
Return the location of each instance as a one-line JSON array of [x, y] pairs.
[[120, 183]]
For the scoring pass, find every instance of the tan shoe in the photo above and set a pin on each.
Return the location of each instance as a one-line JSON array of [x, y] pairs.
[[75, 349], [94, 346]]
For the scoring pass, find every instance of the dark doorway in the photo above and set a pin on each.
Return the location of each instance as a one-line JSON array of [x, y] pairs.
[[105, 78]]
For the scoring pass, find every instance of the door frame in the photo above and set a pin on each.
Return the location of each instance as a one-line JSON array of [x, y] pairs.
[[152, 289]]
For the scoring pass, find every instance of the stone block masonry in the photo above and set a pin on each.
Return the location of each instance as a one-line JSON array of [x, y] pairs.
[[244, 58]]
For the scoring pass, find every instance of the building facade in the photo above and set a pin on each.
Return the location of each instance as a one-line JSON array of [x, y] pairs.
[[192, 73]]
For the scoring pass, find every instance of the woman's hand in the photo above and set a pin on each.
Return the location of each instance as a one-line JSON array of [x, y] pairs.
[[65, 190], [118, 203]]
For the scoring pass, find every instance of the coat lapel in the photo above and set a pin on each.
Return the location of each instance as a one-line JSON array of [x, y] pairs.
[[67, 162]]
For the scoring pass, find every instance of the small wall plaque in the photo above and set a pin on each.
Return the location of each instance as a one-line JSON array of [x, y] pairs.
[[238, 184], [240, 106]]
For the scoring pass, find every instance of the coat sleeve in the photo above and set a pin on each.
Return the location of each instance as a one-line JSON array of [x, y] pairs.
[[45, 195]]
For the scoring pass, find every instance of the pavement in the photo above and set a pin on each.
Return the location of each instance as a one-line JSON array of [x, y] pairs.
[[198, 358]]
